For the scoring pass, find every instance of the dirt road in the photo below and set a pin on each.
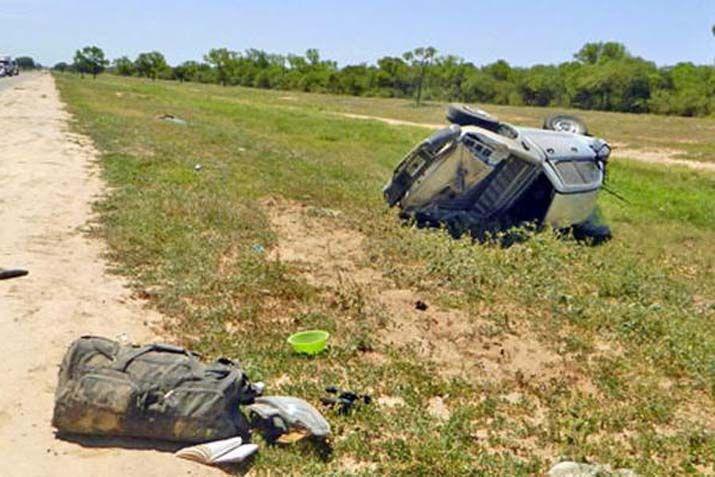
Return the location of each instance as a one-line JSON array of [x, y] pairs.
[[48, 179], [652, 156], [9, 82]]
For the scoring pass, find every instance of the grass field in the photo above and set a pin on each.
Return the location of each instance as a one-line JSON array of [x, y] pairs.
[[544, 350]]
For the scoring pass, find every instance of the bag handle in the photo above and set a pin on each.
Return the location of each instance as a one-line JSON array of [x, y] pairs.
[[122, 364]]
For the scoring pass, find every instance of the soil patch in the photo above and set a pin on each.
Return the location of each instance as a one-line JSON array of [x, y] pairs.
[[391, 121], [331, 256]]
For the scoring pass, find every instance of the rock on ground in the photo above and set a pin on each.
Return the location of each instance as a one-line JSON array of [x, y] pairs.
[[574, 469]]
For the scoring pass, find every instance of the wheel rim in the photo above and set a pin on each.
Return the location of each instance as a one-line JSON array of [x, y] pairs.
[[566, 125]]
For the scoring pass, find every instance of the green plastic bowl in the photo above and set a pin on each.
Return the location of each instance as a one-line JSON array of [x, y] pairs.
[[309, 342]]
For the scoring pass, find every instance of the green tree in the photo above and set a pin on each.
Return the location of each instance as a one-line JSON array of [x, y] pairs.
[[151, 64], [124, 66], [393, 77], [420, 59], [687, 90], [26, 63], [449, 74], [91, 60], [499, 70], [541, 85], [223, 61], [313, 56], [594, 53], [618, 85], [181, 72], [61, 67], [355, 80], [602, 75], [478, 86]]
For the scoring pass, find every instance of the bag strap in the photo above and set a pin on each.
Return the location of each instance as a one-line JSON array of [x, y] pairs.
[[123, 363], [98, 349]]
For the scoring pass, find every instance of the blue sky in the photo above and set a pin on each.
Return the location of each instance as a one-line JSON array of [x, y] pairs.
[[524, 32]]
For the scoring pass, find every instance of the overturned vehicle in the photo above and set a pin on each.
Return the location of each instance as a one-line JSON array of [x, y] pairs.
[[482, 176]]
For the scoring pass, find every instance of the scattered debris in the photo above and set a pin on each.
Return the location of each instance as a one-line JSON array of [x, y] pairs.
[[258, 248], [287, 419], [8, 274], [156, 391], [227, 451], [309, 342], [344, 400], [421, 305], [164, 392], [574, 469], [171, 118]]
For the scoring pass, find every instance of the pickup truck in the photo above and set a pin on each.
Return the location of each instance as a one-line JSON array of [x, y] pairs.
[[481, 175]]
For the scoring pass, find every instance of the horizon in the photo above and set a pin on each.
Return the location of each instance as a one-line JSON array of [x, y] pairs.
[[673, 32]]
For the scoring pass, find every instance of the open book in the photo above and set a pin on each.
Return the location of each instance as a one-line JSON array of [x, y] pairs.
[[226, 451]]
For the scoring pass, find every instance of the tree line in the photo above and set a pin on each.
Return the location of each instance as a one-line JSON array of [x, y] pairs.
[[27, 63], [601, 76]]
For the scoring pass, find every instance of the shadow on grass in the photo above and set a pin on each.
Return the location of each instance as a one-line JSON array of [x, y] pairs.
[[507, 232]]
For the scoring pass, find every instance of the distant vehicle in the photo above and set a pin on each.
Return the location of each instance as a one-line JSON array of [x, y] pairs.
[[481, 175], [8, 66]]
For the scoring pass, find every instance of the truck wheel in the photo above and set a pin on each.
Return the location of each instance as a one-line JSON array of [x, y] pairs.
[[566, 123], [464, 115]]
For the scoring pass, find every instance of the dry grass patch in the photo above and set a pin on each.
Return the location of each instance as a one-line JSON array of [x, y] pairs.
[[463, 344]]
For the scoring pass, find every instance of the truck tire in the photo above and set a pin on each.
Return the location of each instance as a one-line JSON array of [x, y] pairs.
[[464, 115], [566, 123]]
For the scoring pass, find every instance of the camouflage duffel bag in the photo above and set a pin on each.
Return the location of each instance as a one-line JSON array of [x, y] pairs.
[[155, 391]]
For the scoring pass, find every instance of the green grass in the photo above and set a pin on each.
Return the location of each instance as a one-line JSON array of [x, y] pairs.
[[633, 318], [689, 138]]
